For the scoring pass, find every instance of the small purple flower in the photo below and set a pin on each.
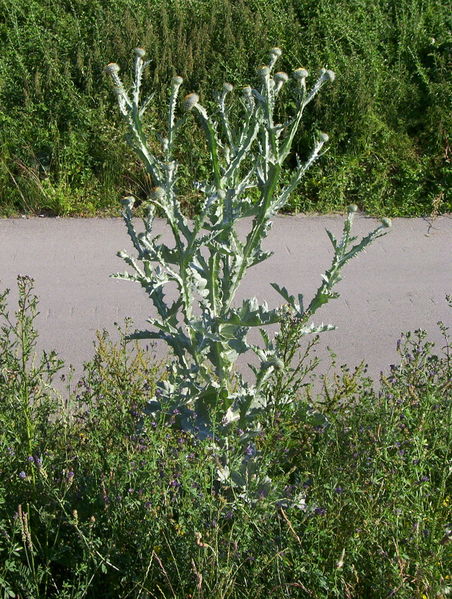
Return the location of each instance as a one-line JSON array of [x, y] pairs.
[[338, 490], [30, 458], [320, 511], [70, 475], [22, 475], [175, 483], [250, 450], [423, 479]]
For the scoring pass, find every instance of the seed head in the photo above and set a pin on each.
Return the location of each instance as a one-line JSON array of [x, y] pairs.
[[352, 208], [227, 87], [112, 68], [190, 100], [139, 52], [275, 52], [324, 137], [386, 222], [247, 91], [300, 74]]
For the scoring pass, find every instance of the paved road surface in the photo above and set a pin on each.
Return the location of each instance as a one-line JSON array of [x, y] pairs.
[[399, 284]]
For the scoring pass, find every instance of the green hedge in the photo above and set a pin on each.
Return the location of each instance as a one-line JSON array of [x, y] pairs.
[[388, 113]]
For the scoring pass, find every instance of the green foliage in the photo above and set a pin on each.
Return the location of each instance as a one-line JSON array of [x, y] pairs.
[[389, 115], [359, 505]]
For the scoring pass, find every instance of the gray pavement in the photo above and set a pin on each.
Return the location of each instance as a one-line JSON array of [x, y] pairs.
[[399, 284]]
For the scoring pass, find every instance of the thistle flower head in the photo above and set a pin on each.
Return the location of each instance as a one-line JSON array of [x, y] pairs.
[[352, 208], [190, 100], [300, 74], [275, 52], [128, 202], [263, 71], [247, 91], [112, 68], [324, 137], [328, 75], [227, 88], [157, 193], [176, 81], [386, 222], [139, 52], [281, 77]]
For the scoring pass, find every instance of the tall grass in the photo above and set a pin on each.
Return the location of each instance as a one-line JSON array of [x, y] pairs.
[[388, 117]]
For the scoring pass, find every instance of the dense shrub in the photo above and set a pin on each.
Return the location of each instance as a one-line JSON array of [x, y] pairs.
[[388, 116]]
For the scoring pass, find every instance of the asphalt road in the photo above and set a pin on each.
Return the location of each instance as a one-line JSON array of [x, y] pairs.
[[399, 284]]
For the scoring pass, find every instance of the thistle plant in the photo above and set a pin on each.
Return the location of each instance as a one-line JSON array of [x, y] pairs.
[[205, 329]]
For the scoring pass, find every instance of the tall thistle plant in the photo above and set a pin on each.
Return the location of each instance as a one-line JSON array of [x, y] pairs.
[[204, 328]]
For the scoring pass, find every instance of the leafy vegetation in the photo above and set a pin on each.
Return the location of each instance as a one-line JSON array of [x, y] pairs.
[[97, 499], [388, 117]]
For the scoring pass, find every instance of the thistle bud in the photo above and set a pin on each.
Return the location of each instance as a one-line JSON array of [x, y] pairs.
[[176, 81], [352, 208], [329, 75], [128, 202], [112, 68], [139, 52], [157, 193], [324, 137], [263, 71], [386, 222], [247, 91], [281, 77], [275, 52], [300, 74], [190, 100]]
